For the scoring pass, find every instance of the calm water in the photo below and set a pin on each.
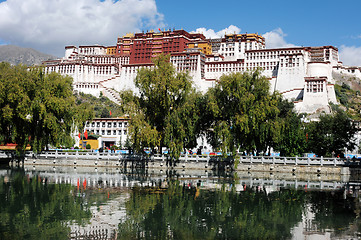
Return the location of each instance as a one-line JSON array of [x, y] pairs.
[[66, 203]]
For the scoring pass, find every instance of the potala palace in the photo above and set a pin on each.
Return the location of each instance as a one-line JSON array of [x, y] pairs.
[[301, 74]]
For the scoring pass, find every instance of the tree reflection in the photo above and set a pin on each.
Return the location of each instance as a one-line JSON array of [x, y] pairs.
[[183, 212], [32, 209], [332, 211]]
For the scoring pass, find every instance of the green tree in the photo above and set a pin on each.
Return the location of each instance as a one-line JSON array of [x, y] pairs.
[[141, 134], [163, 111], [82, 112], [51, 110], [292, 140], [14, 104], [332, 134], [36, 108], [241, 113]]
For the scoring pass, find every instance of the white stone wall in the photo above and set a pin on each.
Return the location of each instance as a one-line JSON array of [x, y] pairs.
[[126, 79], [285, 68], [92, 50], [214, 70], [69, 51], [320, 70], [316, 101], [348, 71], [88, 88], [331, 94], [91, 69]]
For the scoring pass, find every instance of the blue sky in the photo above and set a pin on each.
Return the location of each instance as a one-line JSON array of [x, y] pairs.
[[306, 22], [49, 25]]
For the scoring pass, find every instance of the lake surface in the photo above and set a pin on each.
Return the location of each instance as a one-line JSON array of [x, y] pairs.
[[92, 203]]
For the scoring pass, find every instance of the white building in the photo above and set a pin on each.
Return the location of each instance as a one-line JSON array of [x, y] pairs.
[[112, 131], [300, 74], [93, 71]]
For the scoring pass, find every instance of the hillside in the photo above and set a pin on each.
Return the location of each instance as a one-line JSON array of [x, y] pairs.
[[348, 93], [102, 106], [16, 55]]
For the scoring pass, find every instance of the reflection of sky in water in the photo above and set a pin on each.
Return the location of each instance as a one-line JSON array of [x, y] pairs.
[[105, 219], [307, 230]]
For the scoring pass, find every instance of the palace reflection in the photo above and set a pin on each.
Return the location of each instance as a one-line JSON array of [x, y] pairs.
[[104, 203]]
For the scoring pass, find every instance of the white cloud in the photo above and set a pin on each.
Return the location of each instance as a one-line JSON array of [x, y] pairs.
[[210, 33], [49, 25], [276, 39], [350, 56]]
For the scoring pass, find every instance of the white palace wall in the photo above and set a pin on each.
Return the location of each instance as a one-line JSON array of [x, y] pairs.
[[320, 69], [348, 71], [289, 70], [127, 77]]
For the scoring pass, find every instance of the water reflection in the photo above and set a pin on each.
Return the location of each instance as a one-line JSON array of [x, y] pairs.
[[30, 208], [65, 203], [184, 212]]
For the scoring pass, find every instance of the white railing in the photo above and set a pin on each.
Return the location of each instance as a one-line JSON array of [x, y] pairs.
[[194, 158], [185, 158], [81, 155], [292, 160]]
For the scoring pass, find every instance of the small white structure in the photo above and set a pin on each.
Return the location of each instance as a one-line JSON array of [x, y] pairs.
[[112, 131]]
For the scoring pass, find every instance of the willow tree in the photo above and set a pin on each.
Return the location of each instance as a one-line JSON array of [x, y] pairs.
[[292, 140], [332, 135], [241, 114], [36, 108], [14, 104], [166, 102]]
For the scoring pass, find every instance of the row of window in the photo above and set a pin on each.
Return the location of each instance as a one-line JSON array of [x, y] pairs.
[[148, 49], [186, 68], [192, 60], [228, 54], [134, 69], [290, 60], [232, 65], [227, 49], [262, 57], [165, 41], [182, 57], [290, 65], [315, 86], [87, 50], [108, 124], [101, 60], [95, 86], [124, 60], [71, 69], [265, 53], [109, 132], [239, 69]]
